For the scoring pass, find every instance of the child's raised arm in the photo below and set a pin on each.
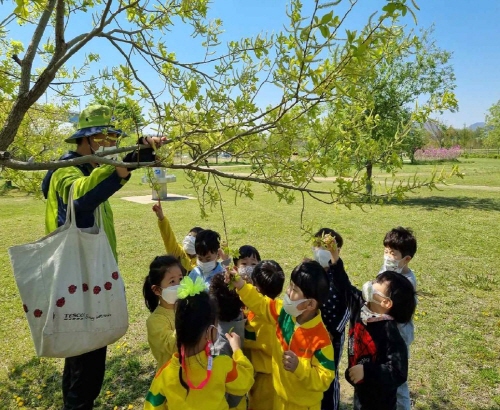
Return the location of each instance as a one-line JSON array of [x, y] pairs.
[[341, 282], [261, 305], [157, 209], [169, 241]]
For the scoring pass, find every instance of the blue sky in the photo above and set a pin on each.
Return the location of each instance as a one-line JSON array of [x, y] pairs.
[[469, 29]]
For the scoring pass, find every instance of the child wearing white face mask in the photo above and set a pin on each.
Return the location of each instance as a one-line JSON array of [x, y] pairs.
[[160, 294], [400, 246], [302, 354], [248, 257], [185, 252], [334, 313], [208, 251], [377, 354]]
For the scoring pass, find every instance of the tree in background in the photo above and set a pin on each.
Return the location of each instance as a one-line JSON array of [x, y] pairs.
[[412, 80], [316, 66], [40, 136], [492, 139], [414, 139], [437, 132]]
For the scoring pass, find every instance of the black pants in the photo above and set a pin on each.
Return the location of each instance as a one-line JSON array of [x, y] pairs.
[[331, 397], [82, 379]]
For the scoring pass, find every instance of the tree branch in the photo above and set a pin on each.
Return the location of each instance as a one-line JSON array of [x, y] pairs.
[[214, 171], [31, 51]]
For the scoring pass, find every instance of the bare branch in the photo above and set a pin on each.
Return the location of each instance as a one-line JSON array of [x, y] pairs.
[[31, 51], [6, 161], [214, 171], [40, 166]]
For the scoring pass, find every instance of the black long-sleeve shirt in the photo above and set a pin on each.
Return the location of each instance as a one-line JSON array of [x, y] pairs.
[[378, 346], [334, 311]]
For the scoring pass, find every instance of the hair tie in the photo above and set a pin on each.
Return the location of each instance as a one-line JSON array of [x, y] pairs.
[[189, 288]]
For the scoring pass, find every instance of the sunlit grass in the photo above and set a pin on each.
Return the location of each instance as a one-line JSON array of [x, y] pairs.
[[454, 359]]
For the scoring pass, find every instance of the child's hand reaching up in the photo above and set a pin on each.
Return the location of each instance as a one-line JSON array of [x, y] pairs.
[[234, 341], [331, 245], [357, 373], [158, 211], [290, 361], [233, 278]]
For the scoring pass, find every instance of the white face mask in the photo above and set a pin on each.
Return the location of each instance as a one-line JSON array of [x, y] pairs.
[[391, 264], [169, 294], [322, 256], [188, 245], [207, 267], [114, 157], [368, 291], [246, 270], [290, 306]]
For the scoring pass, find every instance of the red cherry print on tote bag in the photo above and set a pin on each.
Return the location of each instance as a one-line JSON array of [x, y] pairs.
[[97, 290], [85, 287], [72, 289], [108, 286], [60, 302], [37, 313], [114, 275]]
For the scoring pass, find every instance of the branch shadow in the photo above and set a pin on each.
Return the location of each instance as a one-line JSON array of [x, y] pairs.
[[457, 202]]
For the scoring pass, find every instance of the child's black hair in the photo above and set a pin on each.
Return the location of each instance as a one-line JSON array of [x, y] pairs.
[[196, 230], [228, 302], [207, 241], [402, 240], [327, 231], [312, 280], [157, 270], [193, 316], [269, 278], [402, 294], [246, 251]]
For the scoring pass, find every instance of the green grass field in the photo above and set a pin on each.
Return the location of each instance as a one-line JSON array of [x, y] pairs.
[[455, 362]]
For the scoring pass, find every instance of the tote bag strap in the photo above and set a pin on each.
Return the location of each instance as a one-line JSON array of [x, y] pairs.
[[70, 209], [71, 215], [98, 217]]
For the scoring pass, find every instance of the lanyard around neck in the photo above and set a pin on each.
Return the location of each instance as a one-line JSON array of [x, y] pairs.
[[209, 369]]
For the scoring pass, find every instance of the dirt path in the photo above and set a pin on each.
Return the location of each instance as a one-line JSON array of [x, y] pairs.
[[440, 186]]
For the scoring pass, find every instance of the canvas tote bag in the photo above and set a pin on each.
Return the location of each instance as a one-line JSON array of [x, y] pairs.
[[71, 288]]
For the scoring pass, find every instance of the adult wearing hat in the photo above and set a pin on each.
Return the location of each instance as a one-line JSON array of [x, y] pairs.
[[93, 185]]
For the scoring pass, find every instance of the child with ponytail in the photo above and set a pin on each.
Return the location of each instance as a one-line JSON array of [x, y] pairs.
[[160, 294], [193, 378]]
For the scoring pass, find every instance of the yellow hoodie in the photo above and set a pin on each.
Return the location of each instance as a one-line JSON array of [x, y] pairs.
[[229, 375], [161, 334], [258, 345], [309, 341], [173, 248]]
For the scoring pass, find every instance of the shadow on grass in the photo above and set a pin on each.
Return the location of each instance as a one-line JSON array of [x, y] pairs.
[[36, 384], [457, 202]]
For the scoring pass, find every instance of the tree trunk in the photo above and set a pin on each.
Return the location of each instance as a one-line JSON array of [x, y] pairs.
[[369, 180]]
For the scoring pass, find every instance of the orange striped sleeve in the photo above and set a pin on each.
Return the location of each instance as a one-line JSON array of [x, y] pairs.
[[233, 374], [272, 308], [161, 368]]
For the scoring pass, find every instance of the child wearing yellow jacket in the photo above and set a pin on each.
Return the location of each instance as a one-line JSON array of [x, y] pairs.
[[268, 279], [160, 294], [185, 253], [302, 354], [193, 378]]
